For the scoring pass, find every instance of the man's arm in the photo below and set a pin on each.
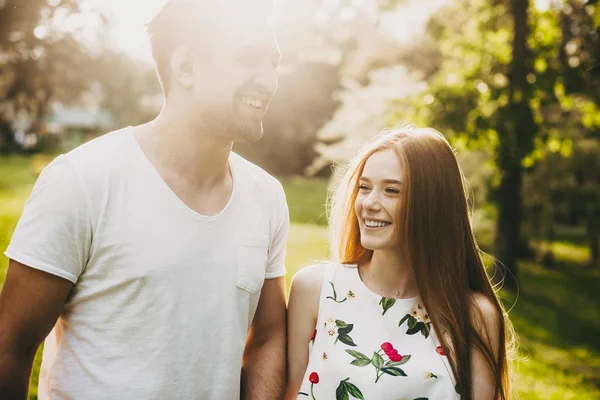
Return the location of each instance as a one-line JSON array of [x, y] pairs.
[[263, 367], [30, 303]]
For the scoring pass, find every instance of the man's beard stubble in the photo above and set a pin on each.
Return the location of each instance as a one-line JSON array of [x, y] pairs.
[[244, 132], [240, 130], [231, 125]]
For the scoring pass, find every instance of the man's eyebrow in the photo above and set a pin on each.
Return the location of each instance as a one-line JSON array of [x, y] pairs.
[[260, 49], [275, 55]]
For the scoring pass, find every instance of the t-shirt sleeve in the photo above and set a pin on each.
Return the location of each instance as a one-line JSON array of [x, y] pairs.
[[54, 232], [277, 249]]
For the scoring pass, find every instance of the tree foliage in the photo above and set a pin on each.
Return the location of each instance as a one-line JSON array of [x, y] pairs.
[[42, 64], [519, 82]]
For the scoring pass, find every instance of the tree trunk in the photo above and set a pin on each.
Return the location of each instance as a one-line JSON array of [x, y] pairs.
[[508, 224], [593, 235], [517, 131]]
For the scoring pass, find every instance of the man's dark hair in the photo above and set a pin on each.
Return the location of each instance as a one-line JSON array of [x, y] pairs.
[[178, 22], [191, 22]]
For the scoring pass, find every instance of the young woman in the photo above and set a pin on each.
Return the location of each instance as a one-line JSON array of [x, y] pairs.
[[407, 310]]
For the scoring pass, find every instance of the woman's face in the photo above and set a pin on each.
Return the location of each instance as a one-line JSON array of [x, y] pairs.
[[377, 205]]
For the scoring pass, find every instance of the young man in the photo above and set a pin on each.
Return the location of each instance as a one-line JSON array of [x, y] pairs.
[[154, 255]]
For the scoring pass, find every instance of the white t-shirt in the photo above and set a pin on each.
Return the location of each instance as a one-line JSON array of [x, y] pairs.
[[163, 296]]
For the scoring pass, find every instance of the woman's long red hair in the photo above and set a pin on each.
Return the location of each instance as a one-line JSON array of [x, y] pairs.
[[437, 241]]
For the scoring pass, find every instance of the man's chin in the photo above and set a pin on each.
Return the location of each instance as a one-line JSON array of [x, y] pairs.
[[247, 133]]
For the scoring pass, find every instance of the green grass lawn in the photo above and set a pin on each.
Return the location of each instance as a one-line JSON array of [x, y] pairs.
[[306, 199], [556, 313]]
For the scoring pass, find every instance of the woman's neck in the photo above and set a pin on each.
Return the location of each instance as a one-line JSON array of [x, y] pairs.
[[388, 275]]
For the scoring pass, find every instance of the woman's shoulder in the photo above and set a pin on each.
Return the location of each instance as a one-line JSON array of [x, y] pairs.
[[486, 317], [310, 276], [313, 275], [483, 308], [305, 292]]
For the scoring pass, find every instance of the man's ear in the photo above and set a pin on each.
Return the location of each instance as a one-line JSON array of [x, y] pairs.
[[182, 67]]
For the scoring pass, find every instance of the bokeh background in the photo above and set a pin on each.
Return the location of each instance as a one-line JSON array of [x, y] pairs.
[[513, 84]]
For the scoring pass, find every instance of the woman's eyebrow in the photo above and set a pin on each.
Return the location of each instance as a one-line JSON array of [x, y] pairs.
[[388, 181]]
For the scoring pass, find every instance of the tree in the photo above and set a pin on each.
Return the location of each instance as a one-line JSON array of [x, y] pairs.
[[125, 84], [379, 69], [572, 119], [492, 91], [580, 64], [517, 130], [29, 52], [42, 65]]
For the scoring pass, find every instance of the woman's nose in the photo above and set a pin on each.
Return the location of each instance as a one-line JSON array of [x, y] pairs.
[[372, 202]]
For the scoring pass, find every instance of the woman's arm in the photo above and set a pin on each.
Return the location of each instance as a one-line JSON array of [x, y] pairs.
[[486, 321], [303, 309]]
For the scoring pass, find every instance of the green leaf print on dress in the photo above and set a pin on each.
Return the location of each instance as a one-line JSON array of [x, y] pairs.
[[342, 329], [347, 389], [389, 367], [350, 295], [386, 303], [418, 398], [418, 321]]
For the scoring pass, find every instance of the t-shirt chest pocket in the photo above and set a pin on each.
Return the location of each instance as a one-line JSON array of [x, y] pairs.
[[252, 262]]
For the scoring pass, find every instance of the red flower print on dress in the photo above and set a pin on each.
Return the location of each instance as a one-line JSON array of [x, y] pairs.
[[314, 335], [440, 350], [387, 346], [391, 352], [313, 378], [382, 366]]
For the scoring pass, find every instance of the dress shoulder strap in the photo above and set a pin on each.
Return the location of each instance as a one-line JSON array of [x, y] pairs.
[[328, 276]]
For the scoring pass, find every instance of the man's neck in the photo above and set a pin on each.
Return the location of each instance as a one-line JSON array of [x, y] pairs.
[[195, 155]]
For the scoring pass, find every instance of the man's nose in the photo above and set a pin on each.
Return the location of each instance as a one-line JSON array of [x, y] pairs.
[[266, 78]]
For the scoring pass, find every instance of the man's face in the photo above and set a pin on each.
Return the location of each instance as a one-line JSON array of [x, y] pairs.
[[234, 85]]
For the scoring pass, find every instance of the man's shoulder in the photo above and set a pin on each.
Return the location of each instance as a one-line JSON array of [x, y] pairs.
[[254, 175], [96, 150], [97, 162]]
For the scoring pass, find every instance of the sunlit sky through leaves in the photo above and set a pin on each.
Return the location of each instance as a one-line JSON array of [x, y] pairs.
[[127, 19], [127, 23]]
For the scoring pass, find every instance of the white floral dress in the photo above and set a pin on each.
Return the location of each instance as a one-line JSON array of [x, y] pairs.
[[369, 347]]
